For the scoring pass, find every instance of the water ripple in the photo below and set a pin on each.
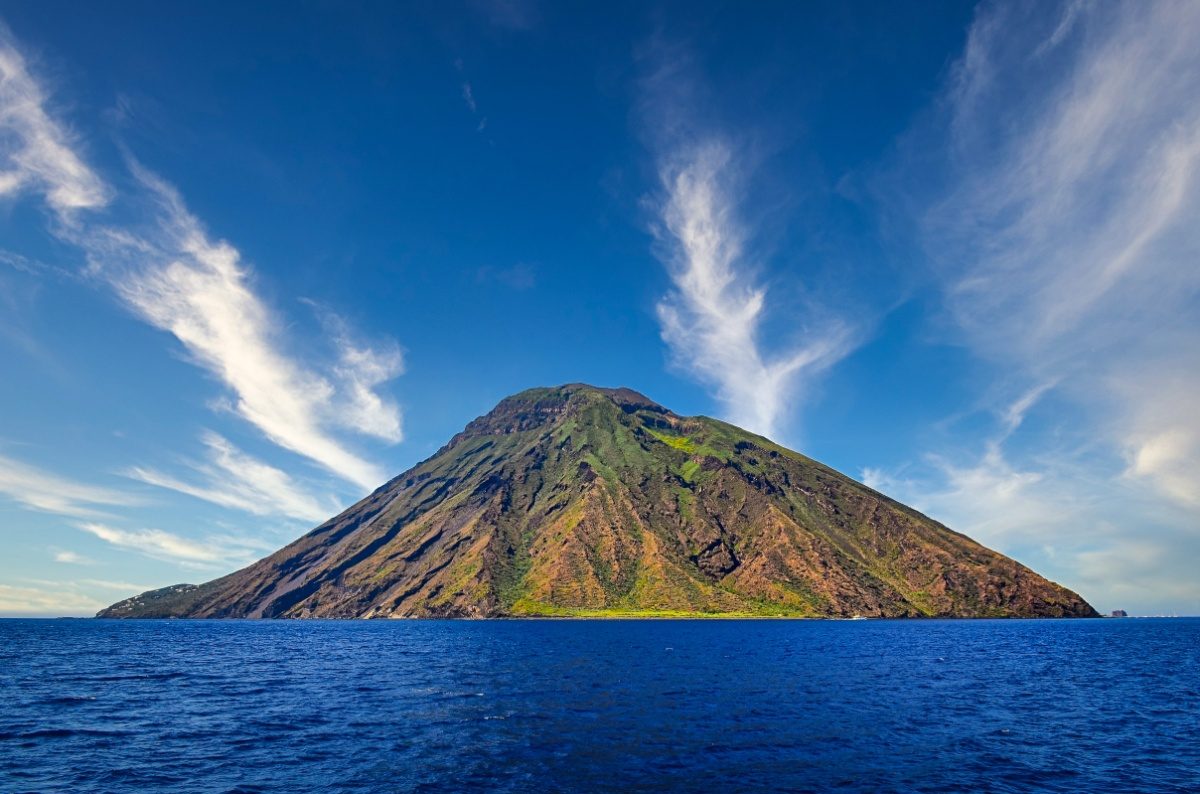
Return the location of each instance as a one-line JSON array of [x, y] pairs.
[[888, 706]]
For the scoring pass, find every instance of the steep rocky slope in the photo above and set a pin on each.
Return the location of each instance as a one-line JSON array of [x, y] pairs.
[[586, 501]]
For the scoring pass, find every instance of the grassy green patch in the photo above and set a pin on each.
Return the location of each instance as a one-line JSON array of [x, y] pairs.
[[682, 443]]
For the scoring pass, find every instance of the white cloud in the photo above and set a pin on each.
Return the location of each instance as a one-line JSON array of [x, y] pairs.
[[468, 95], [1069, 239], [1001, 505], [35, 151], [177, 279], [39, 490], [173, 276], [1057, 197], [989, 499], [712, 319], [210, 552], [1168, 457], [234, 479], [1160, 428], [1072, 200], [1015, 413], [70, 557], [360, 369]]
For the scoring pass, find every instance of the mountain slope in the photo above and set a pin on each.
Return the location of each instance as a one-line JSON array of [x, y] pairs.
[[585, 501]]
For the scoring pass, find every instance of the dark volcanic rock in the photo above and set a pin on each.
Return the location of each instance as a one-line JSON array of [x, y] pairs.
[[586, 501]]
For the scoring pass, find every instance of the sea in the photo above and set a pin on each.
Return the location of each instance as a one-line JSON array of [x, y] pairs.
[[107, 706]]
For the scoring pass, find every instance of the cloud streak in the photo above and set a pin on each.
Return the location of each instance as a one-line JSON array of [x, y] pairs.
[[1090, 200], [712, 319], [36, 152], [361, 368], [1084, 190], [40, 490], [172, 275], [179, 280], [211, 552], [1057, 202], [236, 480]]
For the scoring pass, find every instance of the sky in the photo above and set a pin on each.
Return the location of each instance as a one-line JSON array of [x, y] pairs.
[[256, 259]]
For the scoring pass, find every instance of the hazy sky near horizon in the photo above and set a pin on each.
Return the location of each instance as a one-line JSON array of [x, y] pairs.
[[255, 259]]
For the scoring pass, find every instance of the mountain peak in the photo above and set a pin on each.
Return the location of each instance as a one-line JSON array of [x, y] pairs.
[[545, 405], [581, 500], [622, 395]]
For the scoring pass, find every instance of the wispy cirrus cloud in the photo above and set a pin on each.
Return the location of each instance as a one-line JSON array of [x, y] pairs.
[[712, 319], [37, 489], [1069, 232], [210, 552], [468, 95], [174, 276], [231, 478], [991, 498], [1056, 190], [37, 153], [1080, 186], [360, 369]]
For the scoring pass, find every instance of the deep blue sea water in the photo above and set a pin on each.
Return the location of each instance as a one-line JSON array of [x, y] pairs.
[[1071, 706]]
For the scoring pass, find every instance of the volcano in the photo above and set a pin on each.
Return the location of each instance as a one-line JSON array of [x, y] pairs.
[[580, 501]]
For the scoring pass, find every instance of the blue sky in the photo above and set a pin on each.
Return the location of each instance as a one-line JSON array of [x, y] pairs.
[[255, 260]]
